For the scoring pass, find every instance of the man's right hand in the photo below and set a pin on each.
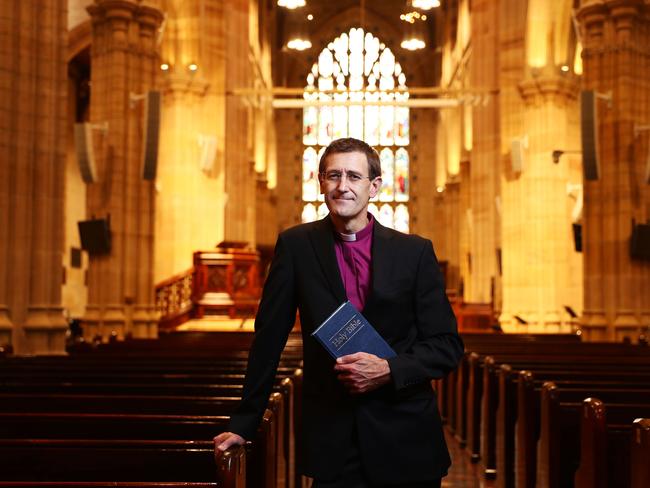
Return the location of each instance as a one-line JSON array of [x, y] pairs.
[[228, 439]]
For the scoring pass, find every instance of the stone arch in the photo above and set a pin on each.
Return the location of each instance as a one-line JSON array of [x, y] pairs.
[[79, 38]]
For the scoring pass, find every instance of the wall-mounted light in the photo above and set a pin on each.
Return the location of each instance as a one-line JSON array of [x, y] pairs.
[[164, 67], [192, 67], [564, 68], [291, 4], [557, 154], [426, 4]]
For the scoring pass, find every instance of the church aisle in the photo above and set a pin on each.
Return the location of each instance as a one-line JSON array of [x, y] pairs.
[[463, 474]]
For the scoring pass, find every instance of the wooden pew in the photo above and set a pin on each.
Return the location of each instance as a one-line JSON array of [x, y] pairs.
[[166, 405], [286, 455], [152, 358], [527, 429], [112, 460], [605, 443], [559, 440], [489, 397], [509, 418], [463, 412], [116, 484], [640, 453], [262, 455]]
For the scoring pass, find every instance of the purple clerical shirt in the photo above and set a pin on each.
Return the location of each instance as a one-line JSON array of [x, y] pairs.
[[354, 256]]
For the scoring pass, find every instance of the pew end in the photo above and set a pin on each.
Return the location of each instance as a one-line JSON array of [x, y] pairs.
[[231, 467], [640, 453]]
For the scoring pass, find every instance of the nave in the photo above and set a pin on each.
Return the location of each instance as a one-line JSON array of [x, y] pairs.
[[522, 410]]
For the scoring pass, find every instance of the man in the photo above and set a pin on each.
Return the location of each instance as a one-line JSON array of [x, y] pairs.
[[367, 421]]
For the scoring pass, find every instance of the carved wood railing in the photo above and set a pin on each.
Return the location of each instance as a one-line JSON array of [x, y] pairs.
[[174, 299]]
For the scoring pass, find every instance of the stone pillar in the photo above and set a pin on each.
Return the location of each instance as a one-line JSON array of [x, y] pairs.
[[288, 125], [423, 164], [124, 63], [239, 163], [616, 42], [537, 232], [32, 147], [190, 193], [485, 158], [7, 112]]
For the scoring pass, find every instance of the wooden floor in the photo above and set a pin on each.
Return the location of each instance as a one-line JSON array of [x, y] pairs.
[[463, 474]]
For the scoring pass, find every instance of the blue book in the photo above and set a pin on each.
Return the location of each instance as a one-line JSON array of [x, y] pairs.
[[346, 331]]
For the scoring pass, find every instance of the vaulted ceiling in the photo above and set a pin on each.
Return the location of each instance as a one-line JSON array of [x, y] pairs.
[[381, 17]]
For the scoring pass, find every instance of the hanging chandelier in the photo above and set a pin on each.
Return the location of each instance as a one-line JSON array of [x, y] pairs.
[[297, 31], [413, 32], [426, 4], [291, 4]]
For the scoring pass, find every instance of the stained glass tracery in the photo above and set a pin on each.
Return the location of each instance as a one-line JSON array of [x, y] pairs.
[[363, 70]]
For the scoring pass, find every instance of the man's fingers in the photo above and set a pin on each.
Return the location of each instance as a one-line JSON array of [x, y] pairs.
[[228, 439], [348, 367], [351, 358]]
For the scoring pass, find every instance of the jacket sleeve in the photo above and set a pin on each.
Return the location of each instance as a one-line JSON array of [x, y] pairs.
[[275, 318], [438, 348]]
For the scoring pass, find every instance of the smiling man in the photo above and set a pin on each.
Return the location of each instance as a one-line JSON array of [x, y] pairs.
[[367, 421]]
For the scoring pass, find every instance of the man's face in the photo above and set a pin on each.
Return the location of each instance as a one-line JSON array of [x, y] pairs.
[[346, 185]]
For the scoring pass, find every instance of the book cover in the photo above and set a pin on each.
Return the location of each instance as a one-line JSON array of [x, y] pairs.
[[346, 331]]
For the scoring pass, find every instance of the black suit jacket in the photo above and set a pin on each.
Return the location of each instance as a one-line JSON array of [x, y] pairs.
[[398, 426]]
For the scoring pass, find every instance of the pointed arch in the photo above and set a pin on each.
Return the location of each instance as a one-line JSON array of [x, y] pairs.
[[363, 69]]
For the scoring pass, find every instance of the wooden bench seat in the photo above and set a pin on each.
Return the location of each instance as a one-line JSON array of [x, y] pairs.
[[559, 440], [111, 484], [454, 385], [527, 429], [46, 425], [508, 418], [464, 401], [640, 453], [166, 405], [109, 460], [606, 436], [483, 400], [483, 418]]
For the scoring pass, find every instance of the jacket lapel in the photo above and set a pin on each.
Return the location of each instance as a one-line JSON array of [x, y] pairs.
[[382, 258], [322, 238]]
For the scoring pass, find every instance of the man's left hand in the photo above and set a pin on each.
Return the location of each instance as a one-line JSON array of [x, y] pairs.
[[362, 372]]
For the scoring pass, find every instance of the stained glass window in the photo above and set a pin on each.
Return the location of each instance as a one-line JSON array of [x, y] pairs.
[[369, 85]]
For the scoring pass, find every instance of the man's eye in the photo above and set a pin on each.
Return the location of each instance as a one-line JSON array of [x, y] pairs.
[[334, 176], [354, 177]]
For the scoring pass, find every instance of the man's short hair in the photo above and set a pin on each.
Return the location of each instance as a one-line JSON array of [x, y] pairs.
[[348, 145]]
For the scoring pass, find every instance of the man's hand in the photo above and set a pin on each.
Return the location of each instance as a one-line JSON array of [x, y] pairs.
[[362, 372], [227, 439]]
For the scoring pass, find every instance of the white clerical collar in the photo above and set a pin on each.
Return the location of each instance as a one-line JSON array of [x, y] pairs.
[[347, 237]]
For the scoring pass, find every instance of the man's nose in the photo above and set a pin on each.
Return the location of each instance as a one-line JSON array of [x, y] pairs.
[[343, 183]]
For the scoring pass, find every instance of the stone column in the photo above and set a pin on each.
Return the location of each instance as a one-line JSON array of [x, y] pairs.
[[288, 125], [616, 43], [537, 232], [485, 159], [124, 63], [6, 78], [32, 144], [239, 163]]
